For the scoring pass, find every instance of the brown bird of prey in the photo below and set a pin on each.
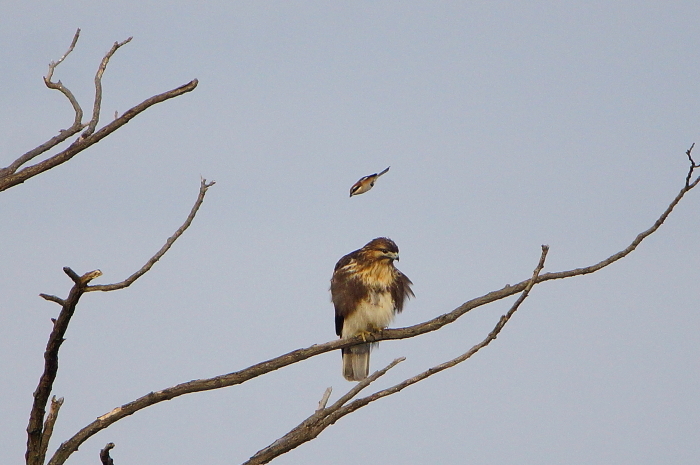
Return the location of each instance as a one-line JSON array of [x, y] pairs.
[[367, 291], [365, 183]]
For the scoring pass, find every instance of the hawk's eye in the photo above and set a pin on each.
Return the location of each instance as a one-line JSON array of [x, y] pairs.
[[384, 251]]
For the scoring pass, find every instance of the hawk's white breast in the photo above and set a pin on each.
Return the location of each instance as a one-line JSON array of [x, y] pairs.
[[374, 313]]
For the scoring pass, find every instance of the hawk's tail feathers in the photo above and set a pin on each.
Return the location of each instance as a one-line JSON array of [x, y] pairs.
[[356, 362]]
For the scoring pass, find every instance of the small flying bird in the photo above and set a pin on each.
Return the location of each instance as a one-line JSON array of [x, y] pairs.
[[365, 183], [367, 291]]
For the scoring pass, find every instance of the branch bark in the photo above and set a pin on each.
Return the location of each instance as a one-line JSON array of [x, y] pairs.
[[239, 377], [36, 437], [324, 417], [313, 426], [10, 177], [35, 429], [48, 426], [63, 134], [104, 454]]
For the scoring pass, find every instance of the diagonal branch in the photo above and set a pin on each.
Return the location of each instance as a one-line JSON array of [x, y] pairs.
[[323, 418], [62, 134], [259, 369], [455, 361], [204, 186], [83, 143], [314, 424]]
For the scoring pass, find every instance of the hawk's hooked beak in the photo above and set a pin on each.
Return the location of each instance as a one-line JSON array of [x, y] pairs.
[[392, 256]]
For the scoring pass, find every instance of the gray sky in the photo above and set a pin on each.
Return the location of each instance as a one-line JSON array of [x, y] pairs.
[[506, 124]]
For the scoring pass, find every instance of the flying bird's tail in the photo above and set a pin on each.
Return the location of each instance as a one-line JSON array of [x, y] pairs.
[[356, 362], [383, 172]]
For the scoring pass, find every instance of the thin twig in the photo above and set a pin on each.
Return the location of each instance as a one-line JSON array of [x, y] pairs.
[[52, 298], [54, 64], [693, 165], [98, 87], [324, 400], [259, 369], [204, 186]]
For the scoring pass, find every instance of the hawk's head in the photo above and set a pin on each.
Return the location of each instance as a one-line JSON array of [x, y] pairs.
[[381, 248]]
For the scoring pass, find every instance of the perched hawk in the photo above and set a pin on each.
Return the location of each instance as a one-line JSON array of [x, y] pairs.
[[367, 291], [365, 183]]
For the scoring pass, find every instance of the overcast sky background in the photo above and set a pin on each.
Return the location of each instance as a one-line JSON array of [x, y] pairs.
[[506, 124]]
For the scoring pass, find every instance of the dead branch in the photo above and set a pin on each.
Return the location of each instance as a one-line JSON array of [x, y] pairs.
[[104, 454], [324, 417], [204, 186], [35, 429], [63, 134], [37, 436], [10, 177], [313, 425], [48, 426], [693, 165], [241, 376], [97, 105], [324, 400]]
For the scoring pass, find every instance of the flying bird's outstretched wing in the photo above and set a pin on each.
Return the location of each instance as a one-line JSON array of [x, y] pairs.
[[367, 291]]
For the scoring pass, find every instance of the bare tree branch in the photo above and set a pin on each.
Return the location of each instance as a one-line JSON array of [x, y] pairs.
[[10, 177], [98, 87], [35, 431], [52, 298], [693, 165], [323, 418], [238, 377], [62, 134], [313, 425], [68, 305], [324, 400], [204, 186], [83, 143], [48, 426], [455, 361], [104, 454]]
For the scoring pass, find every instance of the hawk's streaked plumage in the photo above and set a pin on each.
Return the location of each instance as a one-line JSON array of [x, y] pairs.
[[365, 183], [367, 291]]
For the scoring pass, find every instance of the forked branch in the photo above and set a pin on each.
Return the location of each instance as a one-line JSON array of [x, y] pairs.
[[38, 435], [10, 176]]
